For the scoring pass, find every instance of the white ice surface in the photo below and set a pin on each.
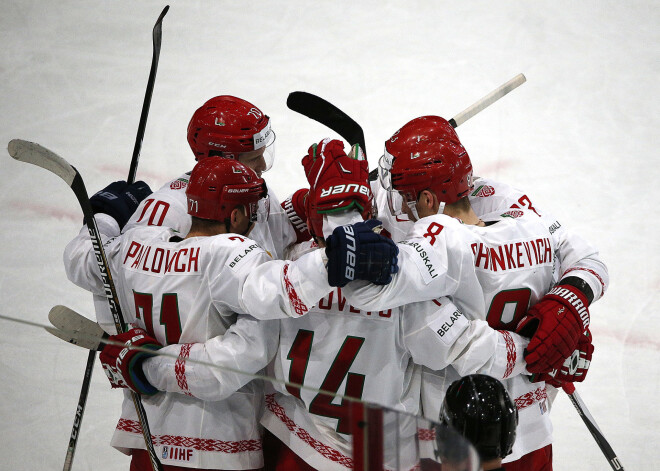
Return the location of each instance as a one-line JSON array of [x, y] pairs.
[[580, 137]]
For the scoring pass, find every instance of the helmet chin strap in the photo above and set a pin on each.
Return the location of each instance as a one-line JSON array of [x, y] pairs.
[[412, 205], [441, 207]]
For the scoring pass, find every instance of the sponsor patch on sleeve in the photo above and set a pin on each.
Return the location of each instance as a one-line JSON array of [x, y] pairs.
[[425, 258], [243, 252], [449, 324]]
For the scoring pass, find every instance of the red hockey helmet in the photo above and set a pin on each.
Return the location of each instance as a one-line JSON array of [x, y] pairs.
[[217, 185], [425, 154], [228, 126]]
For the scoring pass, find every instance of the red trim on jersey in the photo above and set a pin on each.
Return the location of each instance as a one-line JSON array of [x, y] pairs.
[[298, 306], [180, 369], [199, 444], [320, 447], [530, 398], [602, 284], [511, 354], [426, 434]]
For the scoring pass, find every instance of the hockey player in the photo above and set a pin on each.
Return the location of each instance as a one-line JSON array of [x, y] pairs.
[[375, 355], [225, 126], [513, 253], [577, 261], [480, 409], [191, 289]]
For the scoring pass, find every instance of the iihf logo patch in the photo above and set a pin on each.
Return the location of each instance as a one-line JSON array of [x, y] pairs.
[[164, 453]]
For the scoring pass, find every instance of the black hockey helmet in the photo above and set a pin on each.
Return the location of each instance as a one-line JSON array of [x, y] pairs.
[[480, 409]]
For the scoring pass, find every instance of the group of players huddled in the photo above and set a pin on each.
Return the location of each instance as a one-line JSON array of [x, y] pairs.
[[452, 276]]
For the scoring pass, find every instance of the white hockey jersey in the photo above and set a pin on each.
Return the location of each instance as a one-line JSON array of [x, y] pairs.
[[574, 254], [167, 207], [374, 356], [189, 291], [513, 262]]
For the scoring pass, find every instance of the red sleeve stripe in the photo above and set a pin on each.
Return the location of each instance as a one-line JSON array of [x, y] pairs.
[[180, 369], [511, 355], [298, 306]]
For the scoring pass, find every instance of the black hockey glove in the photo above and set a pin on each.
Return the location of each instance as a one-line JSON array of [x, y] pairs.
[[120, 200], [358, 252]]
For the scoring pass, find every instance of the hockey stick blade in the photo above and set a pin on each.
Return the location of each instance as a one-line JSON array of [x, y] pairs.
[[324, 112], [33, 153], [590, 422], [75, 328], [30, 152], [488, 100], [157, 35]]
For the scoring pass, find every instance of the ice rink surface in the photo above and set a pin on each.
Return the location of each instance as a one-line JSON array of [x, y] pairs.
[[580, 137]]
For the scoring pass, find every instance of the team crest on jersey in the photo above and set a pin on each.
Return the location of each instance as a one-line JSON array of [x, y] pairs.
[[484, 191], [514, 213], [179, 184]]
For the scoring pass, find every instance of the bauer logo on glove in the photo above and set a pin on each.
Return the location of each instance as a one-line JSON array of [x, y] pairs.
[[123, 364]]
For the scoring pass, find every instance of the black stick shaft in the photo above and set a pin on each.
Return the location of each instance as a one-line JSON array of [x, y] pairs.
[[589, 421], [157, 39]]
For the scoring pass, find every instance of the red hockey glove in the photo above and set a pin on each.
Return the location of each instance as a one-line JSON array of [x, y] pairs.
[[575, 368], [294, 207], [554, 325], [337, 181], [123, 366]]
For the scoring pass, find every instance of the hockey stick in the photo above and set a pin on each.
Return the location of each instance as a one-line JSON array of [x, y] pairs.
[[326, 113], [76, 329], [35, 154], [157, 35], [488, 100], [91, 357], [590, 422], [318, 109]]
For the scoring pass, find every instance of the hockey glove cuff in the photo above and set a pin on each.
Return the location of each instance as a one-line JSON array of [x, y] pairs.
[[123, 364], [294, 207]]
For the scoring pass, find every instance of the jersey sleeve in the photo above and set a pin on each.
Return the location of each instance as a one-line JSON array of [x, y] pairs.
[[428, 268], [280, 289], [279, 224], [217, 368], [437, 334], [248, 281], [80, 262]]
